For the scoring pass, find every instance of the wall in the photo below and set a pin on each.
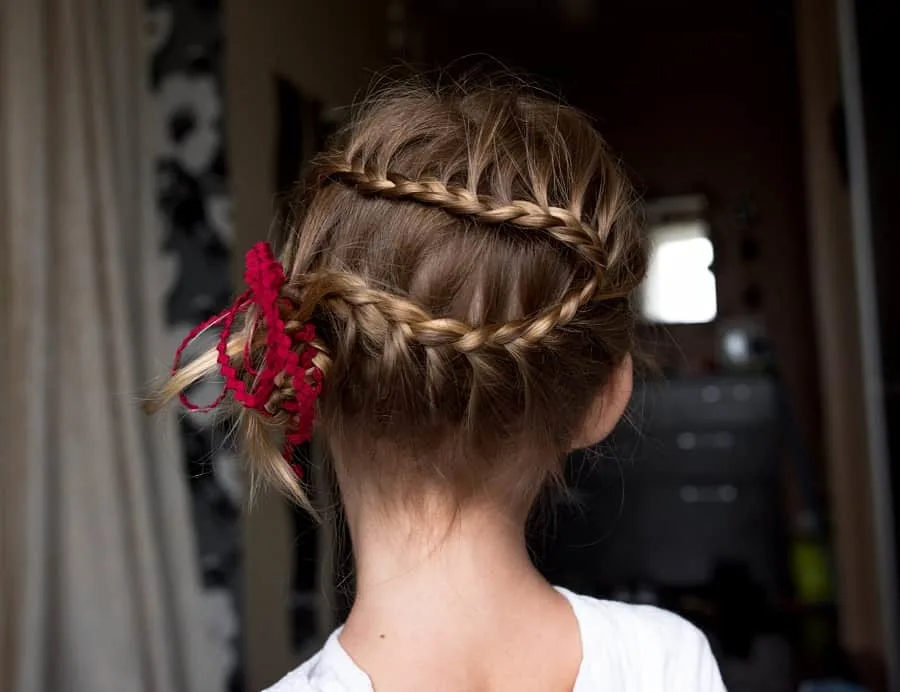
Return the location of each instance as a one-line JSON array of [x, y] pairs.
[[328, 50], [877, 25], [837, 324]]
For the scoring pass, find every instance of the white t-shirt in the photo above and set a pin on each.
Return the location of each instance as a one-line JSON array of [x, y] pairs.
[[625, 648]]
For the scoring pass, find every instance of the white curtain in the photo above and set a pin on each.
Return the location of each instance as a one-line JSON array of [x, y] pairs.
[[99, 587]]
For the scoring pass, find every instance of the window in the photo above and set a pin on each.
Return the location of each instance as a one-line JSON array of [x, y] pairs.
[[680, 287]]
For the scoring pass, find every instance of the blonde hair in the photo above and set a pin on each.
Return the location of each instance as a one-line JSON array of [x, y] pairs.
[[466, 256]]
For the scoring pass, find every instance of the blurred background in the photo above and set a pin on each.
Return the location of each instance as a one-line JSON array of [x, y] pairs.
[[754, 486]]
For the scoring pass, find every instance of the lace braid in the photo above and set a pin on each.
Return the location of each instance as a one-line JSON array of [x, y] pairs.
[[558, 222], [412, 400], [378, 309]]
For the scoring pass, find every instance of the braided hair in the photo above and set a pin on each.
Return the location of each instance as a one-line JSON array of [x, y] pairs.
[[467, 256]]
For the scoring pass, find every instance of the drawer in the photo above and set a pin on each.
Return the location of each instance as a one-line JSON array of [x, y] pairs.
[[738, 452], [712, 402]]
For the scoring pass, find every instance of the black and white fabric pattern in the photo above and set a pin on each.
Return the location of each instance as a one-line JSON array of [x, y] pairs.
[[185, 68]]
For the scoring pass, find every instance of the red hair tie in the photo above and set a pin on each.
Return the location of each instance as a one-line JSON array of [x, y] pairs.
[[264, 277]]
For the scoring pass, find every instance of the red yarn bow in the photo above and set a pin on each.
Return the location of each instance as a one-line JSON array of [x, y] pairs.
[[264, 277]]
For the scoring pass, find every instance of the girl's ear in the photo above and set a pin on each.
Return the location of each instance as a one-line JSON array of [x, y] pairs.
[[608, 407]]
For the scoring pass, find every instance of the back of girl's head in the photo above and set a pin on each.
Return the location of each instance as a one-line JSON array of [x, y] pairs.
[[466, 255]]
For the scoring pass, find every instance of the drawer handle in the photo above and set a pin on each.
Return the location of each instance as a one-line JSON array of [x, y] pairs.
[[708, 494], [687, 441]]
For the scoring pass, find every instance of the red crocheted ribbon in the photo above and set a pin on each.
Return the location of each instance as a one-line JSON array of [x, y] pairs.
[[264, 277]]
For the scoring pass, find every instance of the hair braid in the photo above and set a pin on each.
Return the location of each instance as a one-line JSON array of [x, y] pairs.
[[452, 358], [560, 223], [382, 311]]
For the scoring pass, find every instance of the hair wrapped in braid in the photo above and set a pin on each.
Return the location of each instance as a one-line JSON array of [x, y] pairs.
[[464, 258]]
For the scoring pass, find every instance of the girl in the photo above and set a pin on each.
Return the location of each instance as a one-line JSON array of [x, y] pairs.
[[451, 312]]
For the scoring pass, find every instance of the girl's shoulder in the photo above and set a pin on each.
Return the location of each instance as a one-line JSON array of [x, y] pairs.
[[330, 670], [625, 648], [641, 648]]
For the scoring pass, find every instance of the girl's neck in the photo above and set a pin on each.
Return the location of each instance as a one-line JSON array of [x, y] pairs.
[[453, 597], [438, 573]]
